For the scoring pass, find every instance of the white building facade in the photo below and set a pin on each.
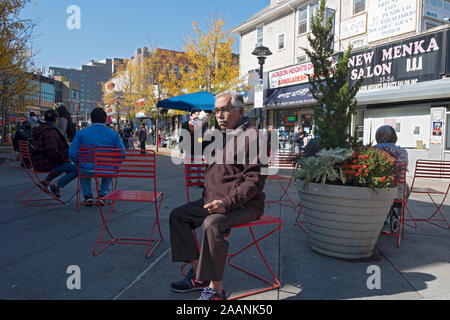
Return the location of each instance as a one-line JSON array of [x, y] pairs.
[[401, 47]]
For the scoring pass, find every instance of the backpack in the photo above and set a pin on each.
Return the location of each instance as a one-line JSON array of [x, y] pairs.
[[71, 130]]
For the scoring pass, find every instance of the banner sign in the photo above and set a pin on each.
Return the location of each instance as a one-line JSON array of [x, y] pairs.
[[294, 75], [388, 18], [437, 9], [400, 63], [290, 76], [289, 96]]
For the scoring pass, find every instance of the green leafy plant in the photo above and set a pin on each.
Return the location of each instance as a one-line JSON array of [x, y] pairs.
[[363, 167], [325, 167]]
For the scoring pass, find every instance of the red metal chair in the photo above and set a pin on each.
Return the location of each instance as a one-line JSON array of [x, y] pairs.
[[432, 169], [128, 164], [400, 179], [87, 155], [282, 160], [35, 196], [264, 220]]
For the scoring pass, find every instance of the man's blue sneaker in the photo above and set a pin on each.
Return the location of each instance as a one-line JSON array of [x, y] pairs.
[[189, 283], [211, 294]]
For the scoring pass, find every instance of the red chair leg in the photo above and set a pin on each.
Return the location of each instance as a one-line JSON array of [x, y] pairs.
[[299, 209], [273, 284]]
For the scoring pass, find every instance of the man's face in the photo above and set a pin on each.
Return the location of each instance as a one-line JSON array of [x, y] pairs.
[[228, 117]]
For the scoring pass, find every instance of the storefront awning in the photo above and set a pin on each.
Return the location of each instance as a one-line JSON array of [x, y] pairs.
[[288, 96], [429, 90]]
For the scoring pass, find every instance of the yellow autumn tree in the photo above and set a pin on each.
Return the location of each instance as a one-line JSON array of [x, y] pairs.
[[15, 59], [212, 65]]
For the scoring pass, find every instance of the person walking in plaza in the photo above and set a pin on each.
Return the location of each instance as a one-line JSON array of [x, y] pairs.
[[23, 133], [65, 125], [233, 195], [386, 140], [50, 154], [96, 135], [142, 137], [159, 138], [127, 132]]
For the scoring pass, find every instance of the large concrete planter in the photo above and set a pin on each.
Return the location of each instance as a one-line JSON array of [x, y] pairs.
[[344, 221]]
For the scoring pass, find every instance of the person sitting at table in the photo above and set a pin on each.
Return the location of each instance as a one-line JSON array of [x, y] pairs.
[[386, 140], [97, 135]]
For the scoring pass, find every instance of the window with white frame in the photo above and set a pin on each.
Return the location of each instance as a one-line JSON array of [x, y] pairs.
[[359, 6], [259, 36], [305, 16], [303, 20], [313, 8], [281, 41]]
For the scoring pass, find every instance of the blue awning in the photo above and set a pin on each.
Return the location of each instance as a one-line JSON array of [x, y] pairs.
[[201, 100], [288, 96]]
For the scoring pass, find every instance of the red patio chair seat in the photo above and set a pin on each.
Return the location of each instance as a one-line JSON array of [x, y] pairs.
[[130, 195]]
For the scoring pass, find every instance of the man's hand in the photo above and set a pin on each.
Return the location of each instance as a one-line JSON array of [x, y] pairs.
[[216, 207]]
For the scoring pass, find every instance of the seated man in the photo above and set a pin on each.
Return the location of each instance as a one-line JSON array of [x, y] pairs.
[[233, 195], [98, 134], [50, 153]]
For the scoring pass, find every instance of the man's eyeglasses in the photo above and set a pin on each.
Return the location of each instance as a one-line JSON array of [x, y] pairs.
[[226, 109]]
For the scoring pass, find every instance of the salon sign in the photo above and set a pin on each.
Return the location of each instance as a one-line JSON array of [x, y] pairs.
[[400, 63]]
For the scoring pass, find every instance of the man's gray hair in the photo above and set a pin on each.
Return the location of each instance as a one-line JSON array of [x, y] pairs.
[[237, 99]]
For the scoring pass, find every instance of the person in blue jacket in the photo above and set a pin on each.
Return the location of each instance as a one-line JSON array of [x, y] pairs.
[[98, 134]]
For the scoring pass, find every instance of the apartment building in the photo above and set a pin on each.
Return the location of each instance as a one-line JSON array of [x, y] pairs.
[[400, 47], [90, 77]]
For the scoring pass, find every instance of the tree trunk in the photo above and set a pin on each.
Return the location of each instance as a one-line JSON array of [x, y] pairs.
[[5, 115]]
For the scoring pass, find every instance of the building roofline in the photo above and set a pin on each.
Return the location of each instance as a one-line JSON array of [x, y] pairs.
[[266, 14]]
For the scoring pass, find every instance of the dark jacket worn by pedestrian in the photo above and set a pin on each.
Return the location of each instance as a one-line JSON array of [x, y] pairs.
[[23, 133], [50, 148], [236, 184]]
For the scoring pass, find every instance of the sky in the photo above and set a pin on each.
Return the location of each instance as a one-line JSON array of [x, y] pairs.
[[116, 28]]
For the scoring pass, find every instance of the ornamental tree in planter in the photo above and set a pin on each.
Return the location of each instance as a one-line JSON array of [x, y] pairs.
[[346, 192]]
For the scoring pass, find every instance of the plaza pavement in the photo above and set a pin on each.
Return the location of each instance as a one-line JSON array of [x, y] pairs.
[[39, 244]]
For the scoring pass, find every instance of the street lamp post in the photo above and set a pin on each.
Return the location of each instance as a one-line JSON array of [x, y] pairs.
[[261, 53]]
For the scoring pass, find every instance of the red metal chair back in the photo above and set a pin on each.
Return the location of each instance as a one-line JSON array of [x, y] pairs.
[[435, 169], [400, 180], [25, 155], [126, 164], [194, 174]]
